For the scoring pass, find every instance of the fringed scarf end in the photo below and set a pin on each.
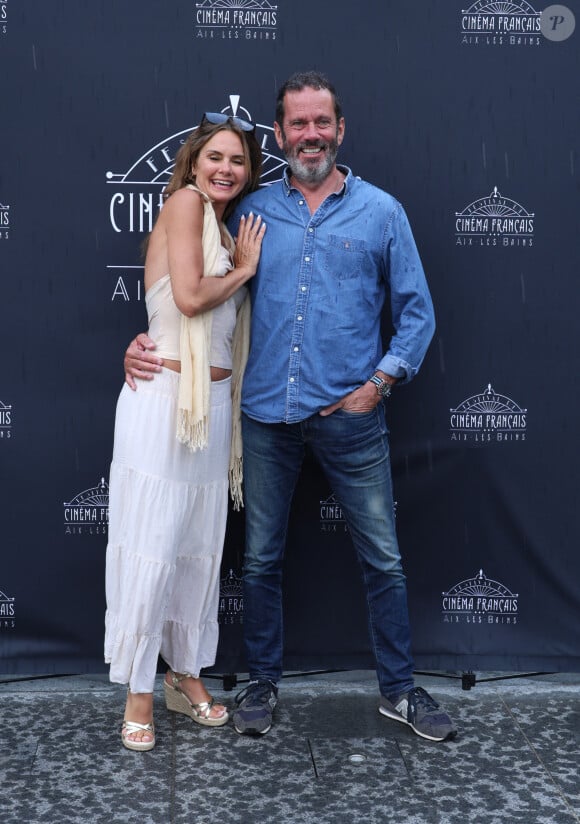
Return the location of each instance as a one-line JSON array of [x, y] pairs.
[[236, 475], [192, 433]]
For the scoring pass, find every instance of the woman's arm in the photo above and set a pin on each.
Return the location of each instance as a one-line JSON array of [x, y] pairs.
[[193, 293]]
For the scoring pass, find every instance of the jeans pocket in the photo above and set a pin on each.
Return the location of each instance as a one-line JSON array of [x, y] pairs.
[[357, 427]]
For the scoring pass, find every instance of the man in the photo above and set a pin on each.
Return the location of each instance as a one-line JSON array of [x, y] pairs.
[[337, 248]]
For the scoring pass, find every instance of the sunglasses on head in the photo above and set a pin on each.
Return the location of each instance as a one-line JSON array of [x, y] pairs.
[[218, 118]]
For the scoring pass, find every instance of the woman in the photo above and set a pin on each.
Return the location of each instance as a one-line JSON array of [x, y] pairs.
[[178, 436]]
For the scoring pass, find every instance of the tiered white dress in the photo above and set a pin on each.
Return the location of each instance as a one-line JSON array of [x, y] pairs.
[[167, 519]]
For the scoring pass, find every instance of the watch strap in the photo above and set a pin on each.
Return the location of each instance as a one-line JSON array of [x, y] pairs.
[[384, 388]]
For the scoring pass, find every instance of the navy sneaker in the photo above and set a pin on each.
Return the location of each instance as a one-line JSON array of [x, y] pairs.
[[254, 707], [422, 713]]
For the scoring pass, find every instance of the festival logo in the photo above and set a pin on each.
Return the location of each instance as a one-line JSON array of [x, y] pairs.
[[88, 512], [3, 16], [137, 198], [486, 418], [7, 612], [236, 20], [501, 23], [5, 421], [494, 221], [479, 600], [4, 220], [332, 516], [231, 603]]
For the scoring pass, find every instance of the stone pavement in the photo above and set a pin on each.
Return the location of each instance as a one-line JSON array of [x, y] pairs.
[[329, 759]]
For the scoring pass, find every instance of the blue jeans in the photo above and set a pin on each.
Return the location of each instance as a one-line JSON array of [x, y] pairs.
[[353, 450]]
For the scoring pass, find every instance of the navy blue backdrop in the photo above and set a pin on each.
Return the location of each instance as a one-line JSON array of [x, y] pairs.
[[469, 115]]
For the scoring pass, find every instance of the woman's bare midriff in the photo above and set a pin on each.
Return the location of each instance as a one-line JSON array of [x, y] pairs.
[[216, 373]]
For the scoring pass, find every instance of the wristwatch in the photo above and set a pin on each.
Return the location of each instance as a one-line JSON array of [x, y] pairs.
[[384, 388]]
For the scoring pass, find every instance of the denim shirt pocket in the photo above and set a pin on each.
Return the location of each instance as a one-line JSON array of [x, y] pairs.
[[343, 259]]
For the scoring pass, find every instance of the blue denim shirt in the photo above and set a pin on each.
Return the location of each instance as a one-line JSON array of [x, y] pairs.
[[318, 295]]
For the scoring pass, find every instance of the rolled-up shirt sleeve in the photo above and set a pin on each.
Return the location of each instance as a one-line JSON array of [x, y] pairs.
[[412, 313]]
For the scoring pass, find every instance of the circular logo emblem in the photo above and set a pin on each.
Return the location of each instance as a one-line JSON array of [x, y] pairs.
[[557, 23]]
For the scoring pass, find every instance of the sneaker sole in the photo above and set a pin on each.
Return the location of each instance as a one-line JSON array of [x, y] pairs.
[[252, 732], [394, 717]]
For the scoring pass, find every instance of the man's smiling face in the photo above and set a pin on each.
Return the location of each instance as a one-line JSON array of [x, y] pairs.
[[310, 134]]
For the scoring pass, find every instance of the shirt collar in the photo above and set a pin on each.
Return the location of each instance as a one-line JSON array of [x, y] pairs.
[[344, 169]]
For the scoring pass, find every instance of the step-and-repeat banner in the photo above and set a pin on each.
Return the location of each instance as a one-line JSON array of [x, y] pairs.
[[469, 114]]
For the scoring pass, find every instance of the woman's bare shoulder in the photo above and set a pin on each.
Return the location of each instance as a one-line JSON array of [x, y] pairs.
[[185, 198]]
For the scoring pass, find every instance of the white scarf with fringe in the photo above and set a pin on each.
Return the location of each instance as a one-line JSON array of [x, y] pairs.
[[195, 344]]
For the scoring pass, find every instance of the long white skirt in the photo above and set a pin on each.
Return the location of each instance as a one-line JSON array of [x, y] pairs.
[[167, 519]]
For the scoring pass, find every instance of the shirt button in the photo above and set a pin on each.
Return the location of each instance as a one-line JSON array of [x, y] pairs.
[[296, 349], [311, 229], [299, 317], [307, 258], [291, 380], [301, 203], [303, 288]]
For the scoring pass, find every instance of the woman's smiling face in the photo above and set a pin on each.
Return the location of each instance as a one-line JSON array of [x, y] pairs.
[[220, 169]]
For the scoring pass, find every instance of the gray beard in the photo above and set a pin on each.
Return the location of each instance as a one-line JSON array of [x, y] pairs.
[[305, 173]]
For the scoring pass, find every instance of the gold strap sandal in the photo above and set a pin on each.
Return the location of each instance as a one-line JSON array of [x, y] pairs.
[[177, 701], [131, 727]]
